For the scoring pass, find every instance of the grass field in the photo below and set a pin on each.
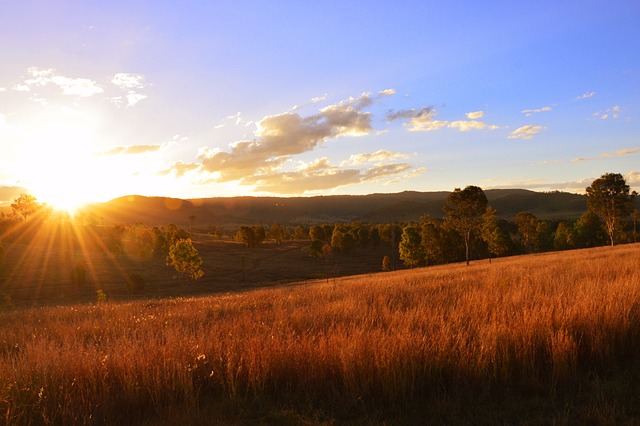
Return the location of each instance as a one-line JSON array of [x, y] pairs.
[[545, 339]]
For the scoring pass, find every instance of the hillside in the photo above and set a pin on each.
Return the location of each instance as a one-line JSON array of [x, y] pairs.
[[375, 208]]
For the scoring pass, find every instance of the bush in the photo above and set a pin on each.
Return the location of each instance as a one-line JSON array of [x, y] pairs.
[[136, 283]]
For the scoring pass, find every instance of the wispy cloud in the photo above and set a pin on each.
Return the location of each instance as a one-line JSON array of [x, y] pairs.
[[82, 87], [131, 149], [475, 115], [621, 152], [613, 112], [131, 83], [526, 132], [528, 112], [424, 120], [375, 157], [260, 162], [586, 95]]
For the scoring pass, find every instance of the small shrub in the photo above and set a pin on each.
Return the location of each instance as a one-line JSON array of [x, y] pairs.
[[386, 263], [101, 296], [136, 283]]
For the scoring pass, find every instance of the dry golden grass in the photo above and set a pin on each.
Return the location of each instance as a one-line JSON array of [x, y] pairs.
[[362, 349]]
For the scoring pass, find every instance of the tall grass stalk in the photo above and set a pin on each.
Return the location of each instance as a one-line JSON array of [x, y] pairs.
[[535, 325]]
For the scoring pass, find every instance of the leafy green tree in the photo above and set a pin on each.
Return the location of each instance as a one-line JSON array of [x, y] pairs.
[[562, 239], [609, 197], [25, 205], [411, 250], [364, 236], [497, 240], [374, 235], [527, 230], [301, 233], [317, 233], [185, 259], [341, 241], [277, 232], [543, 241], [588, 231], [463, 213], [315, 248], [441, 245], [635, 217]]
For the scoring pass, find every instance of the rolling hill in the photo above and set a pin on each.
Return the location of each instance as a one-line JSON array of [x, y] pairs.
[[374, 208]]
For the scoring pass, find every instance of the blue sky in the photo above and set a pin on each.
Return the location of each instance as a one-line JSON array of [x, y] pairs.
[[203, 99]]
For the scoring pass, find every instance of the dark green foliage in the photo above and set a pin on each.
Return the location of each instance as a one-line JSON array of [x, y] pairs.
[[410, 248], [463, 213], [562, 239], [588, 231], [315, 248], [610, 199]]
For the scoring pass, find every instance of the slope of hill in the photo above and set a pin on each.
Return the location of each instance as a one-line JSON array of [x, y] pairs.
[[402, 207]]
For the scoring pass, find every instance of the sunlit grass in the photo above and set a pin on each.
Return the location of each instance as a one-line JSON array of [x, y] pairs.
[[392, 345]]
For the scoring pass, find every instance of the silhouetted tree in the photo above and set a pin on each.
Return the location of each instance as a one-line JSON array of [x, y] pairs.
[[410, 248], [497, 240], [562, 239], [463, 213], [315, 248], [24, 206], [527, 230], [609, 198], [301, 233], [588, 231], [277, 232]]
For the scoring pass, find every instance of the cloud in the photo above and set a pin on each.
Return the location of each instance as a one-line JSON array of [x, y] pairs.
[[82, 87], [582, 159], [280, 136], [133, 98], [313, 178], [424, 120], [528, 112], [375, 157], [621, 152], [475, 115], [131, 149], [420, 115], [632, 178], [612, 112], [128, 80], [586, 95], [180, 168], [526, 132]]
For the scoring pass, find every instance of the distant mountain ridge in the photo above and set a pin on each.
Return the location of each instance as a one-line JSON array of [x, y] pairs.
[[373, 208]]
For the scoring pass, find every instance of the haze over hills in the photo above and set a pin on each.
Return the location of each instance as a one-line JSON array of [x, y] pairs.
[[374, 208]]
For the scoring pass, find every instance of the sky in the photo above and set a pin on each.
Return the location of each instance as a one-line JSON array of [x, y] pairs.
[[197, 99]]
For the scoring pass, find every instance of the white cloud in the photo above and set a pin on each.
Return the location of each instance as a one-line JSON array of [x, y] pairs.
[[621, 152], [128, 80], [82, 87], [375, 157], [424, 120], [475, 115], [526, 132], [132, 149], [613, 112], [528, 112], [586, 95], [133, 98]]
